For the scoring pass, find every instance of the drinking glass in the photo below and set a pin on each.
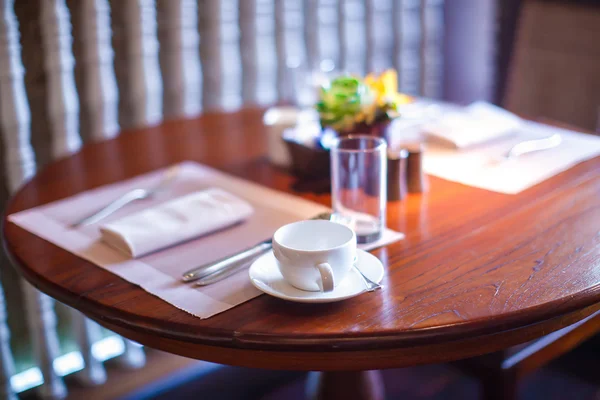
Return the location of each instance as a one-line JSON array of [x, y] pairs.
[[358, 184]]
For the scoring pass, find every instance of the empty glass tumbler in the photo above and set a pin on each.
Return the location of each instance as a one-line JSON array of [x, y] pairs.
[[359, 184]]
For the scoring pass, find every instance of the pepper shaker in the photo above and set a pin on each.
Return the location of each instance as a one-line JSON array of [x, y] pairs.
[[396, 174], [416, 179]]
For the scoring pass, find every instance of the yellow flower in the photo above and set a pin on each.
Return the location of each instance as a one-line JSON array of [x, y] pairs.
[[385, 89]]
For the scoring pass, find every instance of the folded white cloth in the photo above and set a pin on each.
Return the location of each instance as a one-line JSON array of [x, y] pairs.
[[175, 221], [475, 124]]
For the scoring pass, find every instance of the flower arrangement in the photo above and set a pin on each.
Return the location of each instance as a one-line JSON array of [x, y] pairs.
[[348, 103]]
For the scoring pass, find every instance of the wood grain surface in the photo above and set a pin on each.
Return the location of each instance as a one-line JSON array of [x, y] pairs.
[[477, 272]]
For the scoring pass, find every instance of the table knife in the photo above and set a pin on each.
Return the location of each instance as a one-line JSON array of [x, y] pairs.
[[225, 272], [217, 266]]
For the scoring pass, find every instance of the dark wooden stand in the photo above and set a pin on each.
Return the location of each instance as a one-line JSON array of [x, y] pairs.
[[359, 385]]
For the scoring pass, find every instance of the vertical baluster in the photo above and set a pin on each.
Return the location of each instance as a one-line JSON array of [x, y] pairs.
[[327, 37], [432, 25], [353, 36], [407, 44], [220, 54], [62, 101], [41, 320], [284, 86], [134, 356], [256, 19], [342, 27], [230, 54], [137, 64], [180, 57], [292, 78], [7, 366], [369, 34], [64, 117], [99, 95], [20, 164], [379, 34], [15, 118], [311, 34], [87, 332], [397, 34], [249, 50], [210, 53]]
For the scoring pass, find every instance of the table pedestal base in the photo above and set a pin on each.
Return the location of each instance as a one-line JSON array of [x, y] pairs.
[[361, 385]]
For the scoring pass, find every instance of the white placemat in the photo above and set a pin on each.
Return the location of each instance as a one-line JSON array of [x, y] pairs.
[[159, 273], [482, 166]]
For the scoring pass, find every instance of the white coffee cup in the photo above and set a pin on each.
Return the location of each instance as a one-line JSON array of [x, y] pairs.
[[314, 255]]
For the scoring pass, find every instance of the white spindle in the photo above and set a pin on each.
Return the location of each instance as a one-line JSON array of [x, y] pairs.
[[180, 57], [407, 44], [134, 356], [249, 50], [15, 118], [292, 67], [210, 53], [257, 44], [62, 101], [140, 81], [311, 34], [99, 94], [41, 320], [432, 25], [20, 164], [232, 63], [327, 34], [379, 34], [284, 85], [342, 27], [353, 31], [87, 332], [220, 54], [370, 34], [7, 366]]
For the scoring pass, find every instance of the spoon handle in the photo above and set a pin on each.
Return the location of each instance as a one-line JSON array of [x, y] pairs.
[[530, 146], [114, 206], [371, 286]]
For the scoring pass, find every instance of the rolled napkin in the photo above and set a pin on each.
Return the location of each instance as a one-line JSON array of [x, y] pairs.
[[475, 124], [175, 221]]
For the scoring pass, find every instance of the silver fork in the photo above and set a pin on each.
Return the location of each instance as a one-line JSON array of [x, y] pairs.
[[129, 197]]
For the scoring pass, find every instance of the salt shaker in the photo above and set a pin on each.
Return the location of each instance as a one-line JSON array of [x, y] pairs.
[[415, 176], [396, 175]]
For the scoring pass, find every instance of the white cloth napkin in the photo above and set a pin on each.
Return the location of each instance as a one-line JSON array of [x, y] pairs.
[[175, 221], [475, 124]]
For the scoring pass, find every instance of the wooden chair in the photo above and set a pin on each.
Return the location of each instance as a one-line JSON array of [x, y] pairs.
[[553, 74], [555, 63]]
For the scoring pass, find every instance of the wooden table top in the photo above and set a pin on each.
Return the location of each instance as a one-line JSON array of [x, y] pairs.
[[478, 271]]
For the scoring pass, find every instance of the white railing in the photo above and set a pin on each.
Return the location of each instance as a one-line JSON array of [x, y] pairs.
[[112, 64]]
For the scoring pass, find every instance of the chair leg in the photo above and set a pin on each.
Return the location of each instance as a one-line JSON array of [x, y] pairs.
[[500, 385]]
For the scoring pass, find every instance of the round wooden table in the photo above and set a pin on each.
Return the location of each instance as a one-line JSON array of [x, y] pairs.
[[478, 271]]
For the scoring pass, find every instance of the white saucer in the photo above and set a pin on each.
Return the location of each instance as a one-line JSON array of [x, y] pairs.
[[265, 276]]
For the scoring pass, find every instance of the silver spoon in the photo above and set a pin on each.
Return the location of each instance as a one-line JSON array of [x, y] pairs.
[[370, 285], [529, 146], [131, 196]]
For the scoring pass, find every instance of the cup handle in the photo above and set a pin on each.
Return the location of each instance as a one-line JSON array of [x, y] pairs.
[[326, 282]]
